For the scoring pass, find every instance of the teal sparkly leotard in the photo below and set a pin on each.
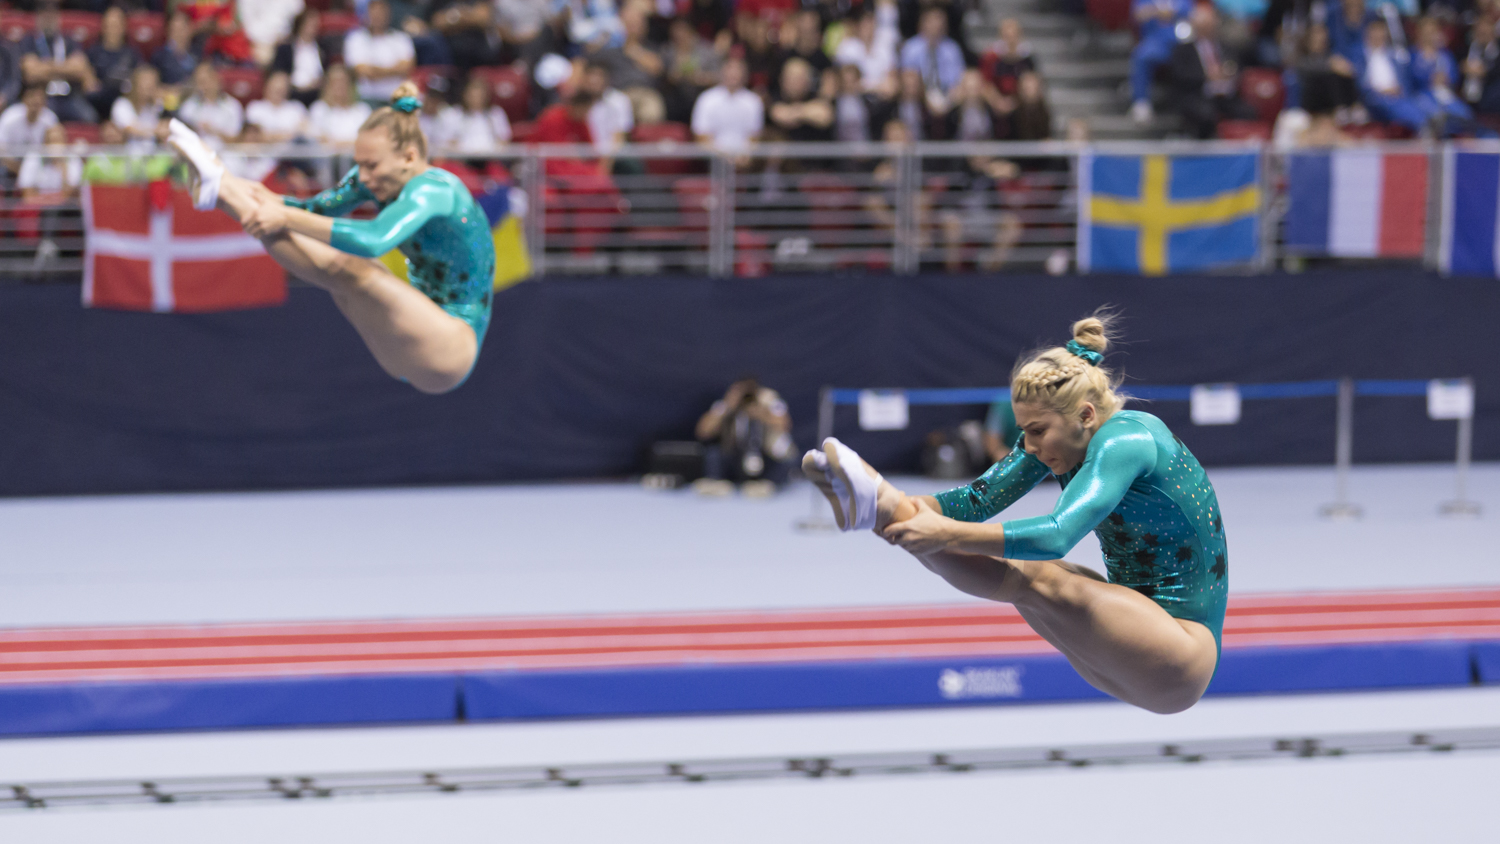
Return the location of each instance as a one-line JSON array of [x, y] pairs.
[[437, 225], [1142, 493]]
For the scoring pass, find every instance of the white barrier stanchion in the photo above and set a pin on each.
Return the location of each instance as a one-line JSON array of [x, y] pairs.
[[1342, 507], [819, 520], [1455, 400]]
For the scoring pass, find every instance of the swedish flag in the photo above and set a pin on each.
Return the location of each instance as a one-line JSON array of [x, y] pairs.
[[1155, 214], [512, 261]]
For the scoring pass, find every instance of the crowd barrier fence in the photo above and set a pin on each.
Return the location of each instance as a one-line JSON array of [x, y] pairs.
[[1447, 399], [673, 207]]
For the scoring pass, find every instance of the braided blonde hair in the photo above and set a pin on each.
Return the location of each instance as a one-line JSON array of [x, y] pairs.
[[1062, 382]]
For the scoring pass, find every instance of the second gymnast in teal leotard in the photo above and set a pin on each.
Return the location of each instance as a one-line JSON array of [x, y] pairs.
[[426, 333], [1150, 633]]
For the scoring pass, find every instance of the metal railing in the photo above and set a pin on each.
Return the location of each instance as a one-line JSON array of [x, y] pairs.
[[680, 208], [1342, 390], [62, 795]]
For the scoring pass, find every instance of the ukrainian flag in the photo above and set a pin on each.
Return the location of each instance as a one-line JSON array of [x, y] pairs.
[[512, 261], [1155, 214]]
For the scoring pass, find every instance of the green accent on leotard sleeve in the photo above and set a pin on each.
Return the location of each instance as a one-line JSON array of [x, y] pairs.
[[396, 223], [996, 489], [1117, 455], [338, 200]]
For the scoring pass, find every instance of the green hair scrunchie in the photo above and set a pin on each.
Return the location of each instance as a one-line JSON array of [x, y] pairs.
[[1084, 352], [408, 105]]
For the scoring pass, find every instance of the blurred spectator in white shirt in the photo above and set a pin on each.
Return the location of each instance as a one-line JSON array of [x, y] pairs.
[[52, 178], [729, 116], [266, 22], [278, 118], [26, 122], [138, 113], [216, 116], [301, 57], [335, 119], [871, 45], [611, 117], [380, 57], [476, 125]]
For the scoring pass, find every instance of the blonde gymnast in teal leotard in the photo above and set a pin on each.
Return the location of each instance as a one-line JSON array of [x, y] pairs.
[[1150, 633], [426, 333]]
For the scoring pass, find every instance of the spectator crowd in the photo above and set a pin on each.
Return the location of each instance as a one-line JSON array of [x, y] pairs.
[[1319, 72], [726, 73]]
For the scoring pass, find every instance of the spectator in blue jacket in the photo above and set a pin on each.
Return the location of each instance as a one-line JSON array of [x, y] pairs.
[[1346, 29], [1385, 81], [931, 52], [1435, 76], [1158, 21]]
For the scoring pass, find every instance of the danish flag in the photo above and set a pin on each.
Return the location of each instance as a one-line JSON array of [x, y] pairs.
[[146, 249]]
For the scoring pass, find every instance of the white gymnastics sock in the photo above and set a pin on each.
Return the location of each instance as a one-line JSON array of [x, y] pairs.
[[210, 171], [815, 467], [848, 470]]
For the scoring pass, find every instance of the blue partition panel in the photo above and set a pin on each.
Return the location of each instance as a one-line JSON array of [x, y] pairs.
[[749, 688], [1372, 665], [1487, 661], [220, 704], [578, 376]]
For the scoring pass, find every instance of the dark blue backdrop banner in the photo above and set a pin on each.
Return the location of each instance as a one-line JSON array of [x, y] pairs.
[[578, 376]]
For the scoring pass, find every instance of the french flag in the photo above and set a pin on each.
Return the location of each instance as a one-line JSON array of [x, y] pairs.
[[1356, 204], [1471, 214]]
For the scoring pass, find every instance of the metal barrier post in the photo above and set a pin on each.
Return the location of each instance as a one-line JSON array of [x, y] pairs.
[[818, 519], [534, 183], [907, 235], [721, 217], [1461, 505], [1270, 212], [1432, 237], [1342, 508]]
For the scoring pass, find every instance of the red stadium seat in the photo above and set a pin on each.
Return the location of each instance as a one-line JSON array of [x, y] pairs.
[[511, 89], [1109, 15], [520, 133], [435, 78], [1263, 90], [242, 83], [147, 31], [830, 200], [86, 132], [665, 134], [336, 23], [471, 178], [82, 27], [16, 25], [1244, 130]]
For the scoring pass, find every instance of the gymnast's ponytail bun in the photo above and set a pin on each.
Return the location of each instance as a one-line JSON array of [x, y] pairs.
[[1092, 332], [406, 89], [1064, 378], [401, 119]]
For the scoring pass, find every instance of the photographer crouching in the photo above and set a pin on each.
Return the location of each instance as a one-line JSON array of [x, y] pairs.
[[747, 441]]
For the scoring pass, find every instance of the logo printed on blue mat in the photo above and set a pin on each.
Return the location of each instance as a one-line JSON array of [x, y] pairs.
[[980, 682]]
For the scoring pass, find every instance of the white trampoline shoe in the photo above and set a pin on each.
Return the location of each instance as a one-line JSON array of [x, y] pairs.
[[848, 483], [208, 170]]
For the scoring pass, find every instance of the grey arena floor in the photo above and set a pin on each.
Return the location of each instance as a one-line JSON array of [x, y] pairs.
[[615, 547]]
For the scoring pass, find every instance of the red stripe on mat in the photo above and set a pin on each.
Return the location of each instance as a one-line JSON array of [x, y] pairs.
[[243, 650]]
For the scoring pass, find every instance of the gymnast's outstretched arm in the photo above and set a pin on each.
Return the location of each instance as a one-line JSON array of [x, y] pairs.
[[397, 223], [1113, 463], [998, 488]]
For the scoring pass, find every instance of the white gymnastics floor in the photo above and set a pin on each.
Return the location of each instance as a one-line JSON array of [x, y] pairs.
[[615, 547], [618, 548]]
